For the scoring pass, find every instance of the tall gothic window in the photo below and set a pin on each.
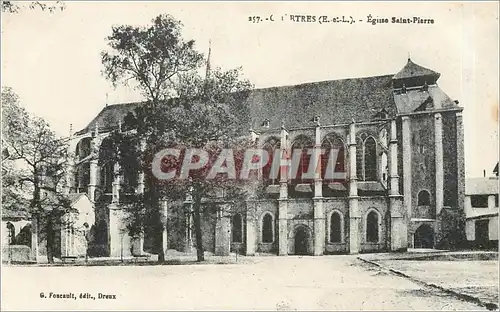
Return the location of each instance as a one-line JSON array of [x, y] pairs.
[[370, 160], [302, 143], [335, 228], [271, 145], [107, 166], [372, 227], [237, 229], [267, 228], [332, 144], [366, 158], [82, 171]]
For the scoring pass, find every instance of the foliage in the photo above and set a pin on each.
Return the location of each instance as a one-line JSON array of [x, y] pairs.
[[34, 168], [153, 57], [15, 6], [183, 109]]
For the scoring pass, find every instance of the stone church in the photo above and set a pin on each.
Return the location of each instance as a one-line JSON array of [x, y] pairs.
[[400, 143]]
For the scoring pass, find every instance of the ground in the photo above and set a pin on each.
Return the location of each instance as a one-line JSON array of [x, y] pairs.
[[258, 283]]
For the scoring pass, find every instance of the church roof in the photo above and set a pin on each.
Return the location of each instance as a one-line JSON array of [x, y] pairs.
[[433, 98], [334, 101], [412, 70], [109, 117]]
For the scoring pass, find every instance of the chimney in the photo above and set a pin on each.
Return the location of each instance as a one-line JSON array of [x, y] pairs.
[[484, 173]]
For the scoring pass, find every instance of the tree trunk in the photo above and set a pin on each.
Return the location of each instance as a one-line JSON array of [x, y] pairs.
[[200, 256], [156, 210]]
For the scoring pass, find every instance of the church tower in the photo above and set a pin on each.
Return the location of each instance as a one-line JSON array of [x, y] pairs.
[[432, 157]]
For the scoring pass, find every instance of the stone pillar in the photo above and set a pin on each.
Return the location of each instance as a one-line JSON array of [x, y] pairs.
[[491, 202], [251, 234], [393, 161], [438, 144], [406, 129], [164, 216], [116, 184], [319, 214], [93, 179], [222, 233], [34, 238], [398, 233], [460, 161], [188, 243], [139, 240], [140, 178], [354, 215], [119, 240], [283, 198]]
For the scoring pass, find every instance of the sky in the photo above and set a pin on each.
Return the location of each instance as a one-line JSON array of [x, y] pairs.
[[52, 61]]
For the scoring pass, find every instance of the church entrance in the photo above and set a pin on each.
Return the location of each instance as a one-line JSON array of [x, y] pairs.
[[424, 237], [302, 241]]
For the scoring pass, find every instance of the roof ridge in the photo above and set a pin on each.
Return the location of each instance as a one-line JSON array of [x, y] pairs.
[[273, 87], [324, 81]]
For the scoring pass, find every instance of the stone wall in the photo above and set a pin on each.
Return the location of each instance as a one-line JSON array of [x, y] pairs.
[[378, 204], [423, 166]]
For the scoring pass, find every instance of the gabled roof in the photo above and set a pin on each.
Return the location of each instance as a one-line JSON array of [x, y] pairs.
[[482, 186], [434, 97], [74, 197], [411, 70]]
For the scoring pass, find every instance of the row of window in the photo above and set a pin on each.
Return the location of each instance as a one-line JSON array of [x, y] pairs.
[[366, 157], [336, 228]]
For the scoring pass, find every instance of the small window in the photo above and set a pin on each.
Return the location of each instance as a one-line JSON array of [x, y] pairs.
[[372, 227], [237, 232], [496, 200], [479, 201], [335, 228], [424, 198], [11, 232], [267, 228]]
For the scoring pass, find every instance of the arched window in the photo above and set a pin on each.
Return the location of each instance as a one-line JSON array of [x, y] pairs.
[[302, 143], [372, 227], [370, 159], [271, 145], [82, 172], [83, 148], [335, 228], [131, 167], [267, 228], [11, 230], [82, 177], [237, 229], [107, 165], [333, 146], [424, 198]]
